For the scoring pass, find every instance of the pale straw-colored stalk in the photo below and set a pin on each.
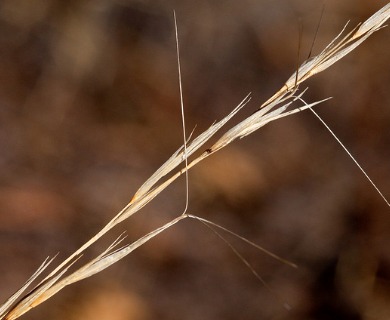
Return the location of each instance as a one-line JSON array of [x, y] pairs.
[[274, 108]]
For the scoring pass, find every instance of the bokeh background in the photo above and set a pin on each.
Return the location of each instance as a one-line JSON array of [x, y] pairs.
[[89, 108]]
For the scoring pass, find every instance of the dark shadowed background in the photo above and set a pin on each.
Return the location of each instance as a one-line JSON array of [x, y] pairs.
[[89, 109]]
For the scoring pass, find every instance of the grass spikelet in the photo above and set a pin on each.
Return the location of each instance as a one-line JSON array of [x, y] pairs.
[[285, 102]]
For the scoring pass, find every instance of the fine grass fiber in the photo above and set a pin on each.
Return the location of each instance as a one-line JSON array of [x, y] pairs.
[[292, 98]]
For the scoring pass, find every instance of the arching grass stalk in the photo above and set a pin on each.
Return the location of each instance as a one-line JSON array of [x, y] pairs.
[[278, 106]]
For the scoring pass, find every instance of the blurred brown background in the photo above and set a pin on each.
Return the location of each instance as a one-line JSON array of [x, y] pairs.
[[89, 108]]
